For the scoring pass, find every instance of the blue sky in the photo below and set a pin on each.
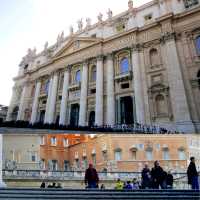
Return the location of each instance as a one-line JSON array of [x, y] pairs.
[[30, 23]]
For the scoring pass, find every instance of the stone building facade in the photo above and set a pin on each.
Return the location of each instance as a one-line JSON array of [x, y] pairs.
[[142, 65]]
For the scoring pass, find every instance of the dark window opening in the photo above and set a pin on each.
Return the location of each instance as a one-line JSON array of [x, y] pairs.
[[74, 115], [125, 86], [93, 91], [198, 77]]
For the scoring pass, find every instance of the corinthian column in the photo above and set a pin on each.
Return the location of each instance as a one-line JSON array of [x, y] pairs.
[[137, 85], [46, 118], [99, 92], [63, 107], [52, 105], [181, 111], [20, 115], [110, 92], [83, 98], [35, 103]]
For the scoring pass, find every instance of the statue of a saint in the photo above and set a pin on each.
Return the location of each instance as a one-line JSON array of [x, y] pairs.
[[88, 22], [80, 25], [100, 18], [130, 4], [46, 46], [110, 14], [71, 30]]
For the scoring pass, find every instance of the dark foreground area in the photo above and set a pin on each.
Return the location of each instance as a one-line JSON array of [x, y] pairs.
[[12, 193]]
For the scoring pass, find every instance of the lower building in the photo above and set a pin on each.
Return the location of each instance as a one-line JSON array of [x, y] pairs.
[[3, 113]]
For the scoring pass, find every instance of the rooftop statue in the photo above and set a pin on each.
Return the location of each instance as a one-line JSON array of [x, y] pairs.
[[110, 14], [60, 39], [130, 4], [71, 30], [80, 25], [100, 18], [88, 22], [46, 46]]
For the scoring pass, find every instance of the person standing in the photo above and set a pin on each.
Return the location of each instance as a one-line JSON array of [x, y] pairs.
[[146, 177], [157, 176], [91, 177], [170, 180], [193, 175]]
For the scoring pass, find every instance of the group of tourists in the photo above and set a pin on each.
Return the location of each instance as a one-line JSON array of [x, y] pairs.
[[156, 178]]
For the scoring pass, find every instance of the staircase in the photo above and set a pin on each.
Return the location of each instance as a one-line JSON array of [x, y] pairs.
[[38, 194]]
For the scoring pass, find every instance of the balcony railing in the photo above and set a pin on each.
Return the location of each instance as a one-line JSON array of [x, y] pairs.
[[180, 179]]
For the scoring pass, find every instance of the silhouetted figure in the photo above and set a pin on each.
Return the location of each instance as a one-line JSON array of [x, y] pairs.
[[157, 175], [146, 177], [103, 187], [128, 186], [91, 177], [170, 180], [193, 175], [42, 185]]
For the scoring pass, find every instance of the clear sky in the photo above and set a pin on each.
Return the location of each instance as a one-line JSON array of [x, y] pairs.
[[30, 23]]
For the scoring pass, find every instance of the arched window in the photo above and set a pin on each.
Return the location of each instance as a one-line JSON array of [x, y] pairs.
[[166, 154], [118, 154], [154, 58], [198, 45], [161, 107], [124, 65], [198, 77], [93, 74], [78, 76], [181, 154]]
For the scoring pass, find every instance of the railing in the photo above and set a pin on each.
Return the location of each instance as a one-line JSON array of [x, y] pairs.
[[180, 179]]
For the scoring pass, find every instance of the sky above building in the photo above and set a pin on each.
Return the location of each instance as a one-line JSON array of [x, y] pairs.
[[30, 23]]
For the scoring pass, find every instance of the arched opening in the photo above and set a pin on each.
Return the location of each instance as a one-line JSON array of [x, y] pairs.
[[74, 115], [154, 58], [26, 114], [124, 65], [91, 119], [126, 110], [46, 87], [15, 113], [161, 108], [78, 76], [93, 74], [198, 45]]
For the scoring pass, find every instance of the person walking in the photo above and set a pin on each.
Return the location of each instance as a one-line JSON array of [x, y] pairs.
[[193, 174], [146, 177], [91, 177], [157, 175]]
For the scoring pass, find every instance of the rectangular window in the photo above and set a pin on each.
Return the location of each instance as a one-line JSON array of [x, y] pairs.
[[149, 155], [54, 165], [133, 155], [105, 155], [166, 155], [33, 157], [42, 140], [118, 155], [66, 165], [181, 155], [65, 142], [94, 159], [53, 141]]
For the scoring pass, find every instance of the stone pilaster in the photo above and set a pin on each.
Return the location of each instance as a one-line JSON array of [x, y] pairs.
[[46, 118], [110, 91], [99, 92], [52, 105], [83, 98], [2, 184], [63, 107], [138, 86], [178, 95], [20, 115], [35, 103]]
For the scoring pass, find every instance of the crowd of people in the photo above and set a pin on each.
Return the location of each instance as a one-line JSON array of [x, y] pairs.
[[155, 178]]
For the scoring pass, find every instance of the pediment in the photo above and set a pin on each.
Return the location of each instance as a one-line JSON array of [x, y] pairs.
[[76, 43]]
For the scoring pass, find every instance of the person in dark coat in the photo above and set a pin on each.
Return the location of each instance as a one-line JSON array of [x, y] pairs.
[[42, 185], [91, 177], [146, 177], [170, 180], [193, 174], [157, 176]]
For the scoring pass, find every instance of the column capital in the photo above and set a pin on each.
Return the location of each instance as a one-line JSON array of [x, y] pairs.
[[110, 56], [167, 36], [100, 57], [86, 62], [137, 47]]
